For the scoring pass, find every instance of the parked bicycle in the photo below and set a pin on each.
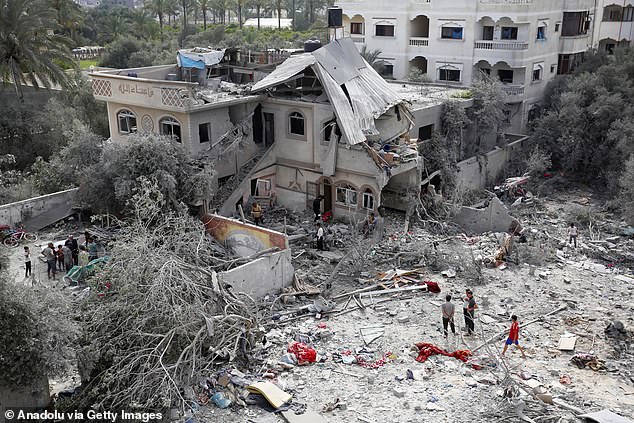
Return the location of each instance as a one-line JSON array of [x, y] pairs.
[[13, 237]]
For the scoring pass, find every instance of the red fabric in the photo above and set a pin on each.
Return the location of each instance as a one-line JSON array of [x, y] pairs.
[[514, 333], [303, 352], [432, 287], [426, 350]]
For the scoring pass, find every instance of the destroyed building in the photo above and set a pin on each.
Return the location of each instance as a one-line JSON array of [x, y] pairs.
[[323, 122]]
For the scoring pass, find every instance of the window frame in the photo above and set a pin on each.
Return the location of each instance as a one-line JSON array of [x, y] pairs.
[[540, 69], [452, 28], [446, 70], [349, 193], [369, 196], [171, 122], [506, 79], [208, 127], [513, 33], [376, 27], [360, 24], [542, 29], [296, 114], [129, 115]]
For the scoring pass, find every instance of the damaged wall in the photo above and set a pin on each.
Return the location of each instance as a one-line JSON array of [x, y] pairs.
[[480, 171], [263, 276], [242, 238], [494, 217], [21, 211]]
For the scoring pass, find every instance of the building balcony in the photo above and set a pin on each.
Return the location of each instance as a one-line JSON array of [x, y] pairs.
[[501, 45], [514, 92], [418, 41], [575, 43]]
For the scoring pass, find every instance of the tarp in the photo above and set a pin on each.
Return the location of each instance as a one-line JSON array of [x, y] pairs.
[[357, 93], [199, 58]]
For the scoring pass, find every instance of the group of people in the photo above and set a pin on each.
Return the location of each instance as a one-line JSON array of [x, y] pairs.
[[64, 257], [469, 307]]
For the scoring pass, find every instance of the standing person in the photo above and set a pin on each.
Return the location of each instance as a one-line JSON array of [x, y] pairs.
[[91, 246], [320, 236], [51, 258], [448, 310], [465, 306], [60, 257], [71, 243], [470, 318], [514, 336], [27, 262], [317, 207], [572, 234], [256, 213], [68, 258]]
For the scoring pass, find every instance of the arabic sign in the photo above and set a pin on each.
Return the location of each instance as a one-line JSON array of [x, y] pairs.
[[126, 88]]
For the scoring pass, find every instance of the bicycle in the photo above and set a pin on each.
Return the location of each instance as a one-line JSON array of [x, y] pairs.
[[16, 235]]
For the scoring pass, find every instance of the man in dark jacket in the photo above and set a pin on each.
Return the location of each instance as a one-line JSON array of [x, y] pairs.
[[71, 243], [317, 207]]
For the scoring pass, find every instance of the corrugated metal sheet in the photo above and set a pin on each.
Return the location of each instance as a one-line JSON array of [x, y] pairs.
[[340, 64], [285, 71]]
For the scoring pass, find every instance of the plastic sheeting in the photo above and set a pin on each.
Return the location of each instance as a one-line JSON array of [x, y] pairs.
[[199, 58]]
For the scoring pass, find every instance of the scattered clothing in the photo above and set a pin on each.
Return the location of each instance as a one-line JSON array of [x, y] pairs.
[[426, 350]]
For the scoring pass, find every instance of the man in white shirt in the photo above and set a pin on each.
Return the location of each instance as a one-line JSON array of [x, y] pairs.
[[320, 236]]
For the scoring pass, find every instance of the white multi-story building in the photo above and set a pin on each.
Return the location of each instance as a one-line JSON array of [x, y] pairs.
[[524, 43]]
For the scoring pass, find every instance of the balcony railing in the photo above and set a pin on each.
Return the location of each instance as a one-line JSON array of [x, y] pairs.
[[513, 89], [418, 41], [358, 39], [501, 45]]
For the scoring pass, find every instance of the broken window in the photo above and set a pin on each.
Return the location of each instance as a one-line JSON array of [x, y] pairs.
[[203, 132], [553, 68], [296, 124], [505, 75], [424, 132], [386, 69], [509, 33], [127, 122], [171, 127], [557, 27], [449, 74], [347, 196], [451, 32], [384, 30], [356, 28], [575, 23], [368, 199]]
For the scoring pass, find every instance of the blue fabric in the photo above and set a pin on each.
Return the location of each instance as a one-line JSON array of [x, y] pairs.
[[186, 62], [510, 342]]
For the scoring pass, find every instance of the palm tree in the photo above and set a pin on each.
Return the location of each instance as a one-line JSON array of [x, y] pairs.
[[158, 8], [259, 4], [30, 51], [115, 26], [69, 16], [278, 7], [204, 7]]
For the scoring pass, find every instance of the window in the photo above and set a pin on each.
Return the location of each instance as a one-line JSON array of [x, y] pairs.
[[538, 70], [568, 62], [541, 32], [449, 74], [505, 75], [612, 14], [296, 124], [386, 69], [328, 130], [451, 32], [384, 30], [170, 127], [127, 122], [553, 68], [368, 199], [628, 14], [356, 28], [347, 196], [557, 27], [486, 71], [509, 33], [575, 23], [203, 132], [487, 33], [424, 132]]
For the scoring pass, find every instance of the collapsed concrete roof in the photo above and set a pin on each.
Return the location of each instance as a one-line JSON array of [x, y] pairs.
[[357, 93]]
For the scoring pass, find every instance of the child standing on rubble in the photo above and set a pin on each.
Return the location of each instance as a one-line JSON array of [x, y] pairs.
[[514, 336], [572, 234], [320, 236]]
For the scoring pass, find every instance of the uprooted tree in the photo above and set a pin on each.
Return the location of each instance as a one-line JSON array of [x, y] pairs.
[[158, 319]]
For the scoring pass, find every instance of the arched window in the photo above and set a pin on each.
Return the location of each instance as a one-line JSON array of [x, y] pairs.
[[127, 122], [171, 127], [296, 124], [368, 199]]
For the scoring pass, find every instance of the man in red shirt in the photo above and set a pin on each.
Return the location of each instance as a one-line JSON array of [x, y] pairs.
[[514, 335]]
